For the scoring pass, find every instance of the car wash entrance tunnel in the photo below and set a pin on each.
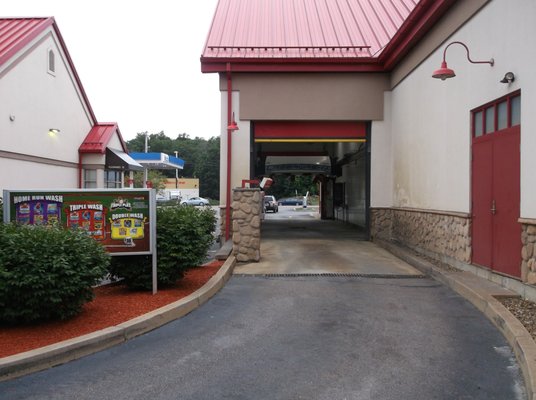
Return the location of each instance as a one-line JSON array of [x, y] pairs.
[[333, 156]]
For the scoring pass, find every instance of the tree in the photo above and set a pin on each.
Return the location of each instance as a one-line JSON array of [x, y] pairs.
[[156, 178], [289, 185], [201, 158], [208, 169]]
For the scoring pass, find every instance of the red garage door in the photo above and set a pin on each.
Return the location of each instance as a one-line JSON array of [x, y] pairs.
[[310, 131]]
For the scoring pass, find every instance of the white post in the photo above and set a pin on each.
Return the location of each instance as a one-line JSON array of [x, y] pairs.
[[145, 174]]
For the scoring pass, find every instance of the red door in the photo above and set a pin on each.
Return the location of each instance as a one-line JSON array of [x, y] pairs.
[[482, 183], [496, 232], [506, 228]]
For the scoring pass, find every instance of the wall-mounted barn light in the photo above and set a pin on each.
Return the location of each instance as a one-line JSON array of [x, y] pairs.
[[445, 72], [233, 126], [509, 77]]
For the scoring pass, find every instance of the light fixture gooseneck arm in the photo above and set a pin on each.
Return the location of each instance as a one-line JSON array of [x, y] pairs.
[[491, 62]]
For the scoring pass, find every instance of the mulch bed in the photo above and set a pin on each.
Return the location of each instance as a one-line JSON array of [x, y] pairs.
[[524, 311], [112, 305]]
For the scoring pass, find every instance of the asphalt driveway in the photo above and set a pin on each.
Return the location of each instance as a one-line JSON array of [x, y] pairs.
[[301, 338], [292, 331]]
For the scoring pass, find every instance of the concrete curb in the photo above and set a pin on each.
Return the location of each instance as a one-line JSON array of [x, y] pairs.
[[68, 350], [483, 295]]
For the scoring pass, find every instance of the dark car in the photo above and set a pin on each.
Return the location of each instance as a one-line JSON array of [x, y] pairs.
[[270, 204], [291, 201]]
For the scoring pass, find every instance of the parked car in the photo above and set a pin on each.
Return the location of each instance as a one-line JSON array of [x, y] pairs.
[[291, 201], [195, 201], [270, 204]]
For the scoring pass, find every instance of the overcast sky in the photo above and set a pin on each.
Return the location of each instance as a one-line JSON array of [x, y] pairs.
[[138, 60]]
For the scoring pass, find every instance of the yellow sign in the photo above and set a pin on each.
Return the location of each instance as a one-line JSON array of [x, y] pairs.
[[183, 183], [127, 227]]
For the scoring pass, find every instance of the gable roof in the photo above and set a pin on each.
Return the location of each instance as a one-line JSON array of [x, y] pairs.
[[17, 33], [301, 35], [99, 136]]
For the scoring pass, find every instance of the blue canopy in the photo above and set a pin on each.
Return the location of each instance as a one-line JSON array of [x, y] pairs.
[[158, 160]]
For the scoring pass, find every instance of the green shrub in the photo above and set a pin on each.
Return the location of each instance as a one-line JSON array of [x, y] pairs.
[[46, 272], [184, 235]]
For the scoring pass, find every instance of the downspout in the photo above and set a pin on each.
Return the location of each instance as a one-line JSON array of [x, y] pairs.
[[79, 170], [229, 153]]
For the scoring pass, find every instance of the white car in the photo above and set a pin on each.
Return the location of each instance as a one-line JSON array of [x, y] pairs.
[[195, 201]]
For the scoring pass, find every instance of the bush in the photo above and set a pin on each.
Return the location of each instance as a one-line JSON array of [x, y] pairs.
[[47, 272], [184, 235]]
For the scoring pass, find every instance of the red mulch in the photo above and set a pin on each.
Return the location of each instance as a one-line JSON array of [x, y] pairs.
[[112, 305]]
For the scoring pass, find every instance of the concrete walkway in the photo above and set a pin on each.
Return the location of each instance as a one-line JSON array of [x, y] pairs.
[[311, 246]]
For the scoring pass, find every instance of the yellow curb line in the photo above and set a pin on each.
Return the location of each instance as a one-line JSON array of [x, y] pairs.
[[72, 349], [514, 332]]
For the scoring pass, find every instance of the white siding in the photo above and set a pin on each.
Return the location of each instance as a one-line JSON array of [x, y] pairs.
[[31, 175], [38, 101]]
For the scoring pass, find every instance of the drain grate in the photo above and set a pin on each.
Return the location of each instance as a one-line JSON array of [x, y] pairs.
[[334, 275]]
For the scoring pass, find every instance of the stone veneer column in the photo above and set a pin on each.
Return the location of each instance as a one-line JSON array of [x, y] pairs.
[[528, 253], [222, 224], [246, 224]]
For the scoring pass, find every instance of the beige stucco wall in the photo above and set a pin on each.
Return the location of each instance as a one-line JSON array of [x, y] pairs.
[[381, 163], [457, 15], [430, 119], [311, 96], [240, 147]]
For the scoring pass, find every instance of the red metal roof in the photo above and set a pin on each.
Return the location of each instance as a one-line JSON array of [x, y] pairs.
[[305, 32], [304, 28], [98, 138], [15, 33]]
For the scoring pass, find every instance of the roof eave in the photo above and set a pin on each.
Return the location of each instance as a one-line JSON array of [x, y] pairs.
[[219, 64], [420, 21], [73, 69]]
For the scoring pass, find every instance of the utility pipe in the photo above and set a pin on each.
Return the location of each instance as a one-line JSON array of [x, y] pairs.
[[79, 170], [229, 153]]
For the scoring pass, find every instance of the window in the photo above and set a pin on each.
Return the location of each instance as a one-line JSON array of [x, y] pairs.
[[90, 178], [477, 124], [490, 119], [51, 65], [500, 114], [112, 179], [515, 111]]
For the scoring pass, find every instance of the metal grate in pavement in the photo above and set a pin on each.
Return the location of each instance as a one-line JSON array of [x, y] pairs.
[[334, 274]]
